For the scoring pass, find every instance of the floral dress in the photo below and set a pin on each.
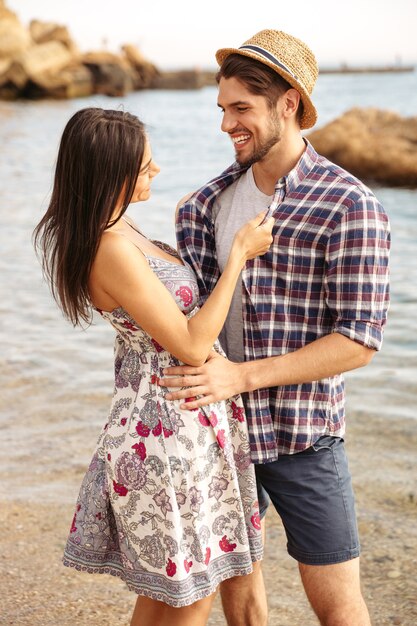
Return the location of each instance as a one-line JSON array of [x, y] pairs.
[[169, 501]]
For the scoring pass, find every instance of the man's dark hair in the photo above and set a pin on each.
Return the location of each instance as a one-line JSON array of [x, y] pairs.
[[259, 79]]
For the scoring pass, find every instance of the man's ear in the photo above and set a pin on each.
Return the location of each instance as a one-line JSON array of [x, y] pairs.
[[290, 102]]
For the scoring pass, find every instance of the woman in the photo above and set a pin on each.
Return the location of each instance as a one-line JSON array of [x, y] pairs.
[[169, 500]]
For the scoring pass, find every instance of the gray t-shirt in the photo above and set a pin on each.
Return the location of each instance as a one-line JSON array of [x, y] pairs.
[[235, 206]]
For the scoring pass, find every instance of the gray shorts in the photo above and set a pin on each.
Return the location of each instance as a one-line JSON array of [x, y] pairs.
[[312, 492]]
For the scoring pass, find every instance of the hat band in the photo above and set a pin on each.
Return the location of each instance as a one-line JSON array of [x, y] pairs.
[[270, 57]]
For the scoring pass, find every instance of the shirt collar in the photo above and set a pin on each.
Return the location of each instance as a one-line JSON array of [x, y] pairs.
[[307, 161], [290, 182]]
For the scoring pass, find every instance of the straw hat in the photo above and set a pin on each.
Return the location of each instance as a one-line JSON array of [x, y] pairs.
[[289, 57]]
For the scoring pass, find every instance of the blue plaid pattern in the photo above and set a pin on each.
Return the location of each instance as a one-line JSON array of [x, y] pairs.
[[326, 271]]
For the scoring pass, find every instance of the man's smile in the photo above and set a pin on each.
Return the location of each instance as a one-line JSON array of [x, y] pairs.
[[240, 139]]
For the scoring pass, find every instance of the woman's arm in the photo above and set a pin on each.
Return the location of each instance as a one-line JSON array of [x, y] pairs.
[[123, 273]]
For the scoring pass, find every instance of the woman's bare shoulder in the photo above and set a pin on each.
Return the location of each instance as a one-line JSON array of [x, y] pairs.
[[115, 250]]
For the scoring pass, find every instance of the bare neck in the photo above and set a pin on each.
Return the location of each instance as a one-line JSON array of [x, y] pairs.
[[281, 159]]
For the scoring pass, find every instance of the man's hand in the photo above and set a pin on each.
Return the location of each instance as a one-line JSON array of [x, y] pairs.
[[217, 379]]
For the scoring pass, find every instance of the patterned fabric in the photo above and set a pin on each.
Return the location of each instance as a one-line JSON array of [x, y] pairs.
[[169, 501], [326, 272]]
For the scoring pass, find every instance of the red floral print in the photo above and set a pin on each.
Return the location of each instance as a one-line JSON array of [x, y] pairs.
[[187, 565], [256, 520], [221, 438], [120, 489], [203, 419], [142, 429], [129, 326], [207, 557], [73, 528], [238, 412], [140, 450], [171, 568], [154, 379], [185, 294], [157, 430], [213, 419], [123, 421], [157, 346], [225, 544]]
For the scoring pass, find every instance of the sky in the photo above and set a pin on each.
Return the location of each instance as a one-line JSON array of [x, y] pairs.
[[186, 33]]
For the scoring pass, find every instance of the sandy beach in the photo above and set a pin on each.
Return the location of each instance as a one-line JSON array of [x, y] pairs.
[[56, 383], [38, 591]]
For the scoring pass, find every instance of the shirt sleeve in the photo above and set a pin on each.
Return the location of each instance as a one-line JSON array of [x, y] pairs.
[[195, 230], [357, 276], [196, 244]]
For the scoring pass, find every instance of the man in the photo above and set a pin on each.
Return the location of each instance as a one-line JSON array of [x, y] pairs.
[[311, 308]]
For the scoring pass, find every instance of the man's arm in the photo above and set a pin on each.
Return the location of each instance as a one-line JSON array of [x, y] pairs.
[[356, 284], [220, 378]]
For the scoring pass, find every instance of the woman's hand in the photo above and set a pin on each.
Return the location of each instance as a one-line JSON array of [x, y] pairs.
[[254, 238]]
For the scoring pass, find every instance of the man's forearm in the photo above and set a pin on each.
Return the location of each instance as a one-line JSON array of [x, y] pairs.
[[327, 356], [219, 378]]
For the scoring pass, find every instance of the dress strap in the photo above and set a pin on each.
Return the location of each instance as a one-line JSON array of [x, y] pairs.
[[159, 244]]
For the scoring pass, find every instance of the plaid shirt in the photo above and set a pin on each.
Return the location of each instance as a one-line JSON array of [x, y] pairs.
[[326, 272]]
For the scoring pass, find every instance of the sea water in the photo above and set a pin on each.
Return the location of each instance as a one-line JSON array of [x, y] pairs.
[[56, 381]]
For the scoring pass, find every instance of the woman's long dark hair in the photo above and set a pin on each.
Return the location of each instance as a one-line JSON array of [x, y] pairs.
[[99, 158]]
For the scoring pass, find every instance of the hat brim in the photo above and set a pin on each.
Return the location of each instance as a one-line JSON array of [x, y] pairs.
[[309, 117]]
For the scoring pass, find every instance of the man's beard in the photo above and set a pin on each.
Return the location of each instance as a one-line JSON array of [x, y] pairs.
[[260, 153]]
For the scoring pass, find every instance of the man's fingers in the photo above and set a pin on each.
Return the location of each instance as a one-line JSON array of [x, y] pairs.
[[182, 394], [196, 404], [181, 381], [178, 395], [171, 382], [181, 370]]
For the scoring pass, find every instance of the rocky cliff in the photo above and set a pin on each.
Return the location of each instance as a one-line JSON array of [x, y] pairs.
[[374, 145], [43, 61]]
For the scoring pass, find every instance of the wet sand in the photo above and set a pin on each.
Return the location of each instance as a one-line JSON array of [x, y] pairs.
[[38, 590]]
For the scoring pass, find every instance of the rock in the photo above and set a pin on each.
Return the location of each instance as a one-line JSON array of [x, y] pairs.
[[80, 83], [181, 79], [111, 74], [44, 62], [144, 72], [14, 38], [184, 79], [374, 145], [39, 60], [75, 81], [4, 68], [42, 32]]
